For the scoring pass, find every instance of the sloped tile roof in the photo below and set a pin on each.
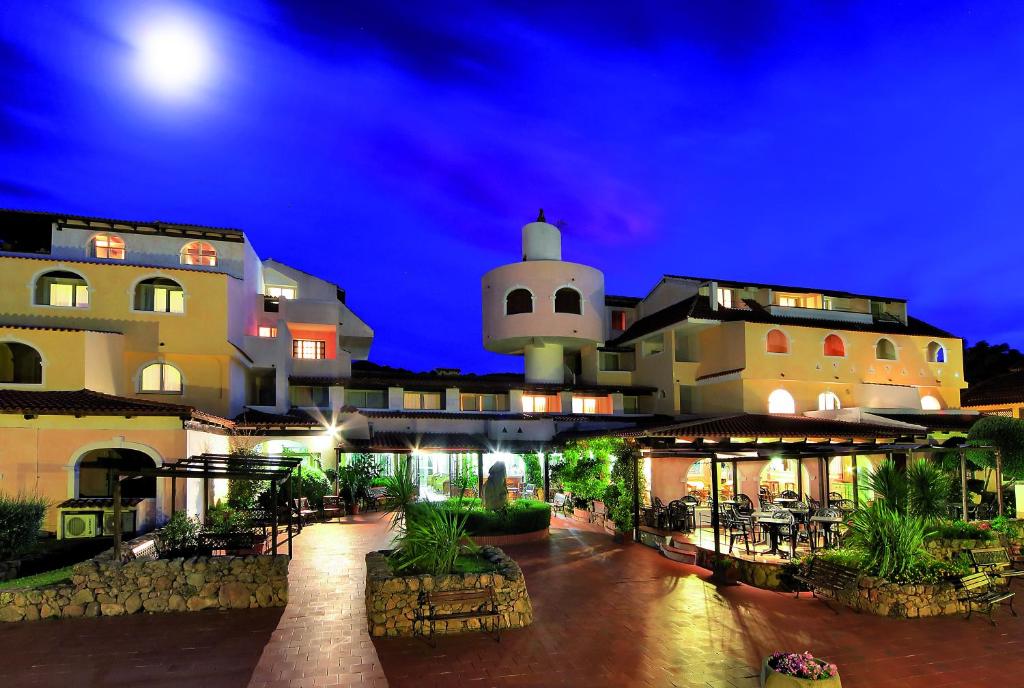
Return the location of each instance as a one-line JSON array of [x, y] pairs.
[[1002, 389], [86, 402], [772, 425]]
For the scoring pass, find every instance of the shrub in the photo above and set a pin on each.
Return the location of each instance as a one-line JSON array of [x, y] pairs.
[[356, 478], [399, 491], [1005, 433], [432, 541], [180, 536], [534, 473], [1008, 527], [314, 484], [927, 489], [21, 519], [892, 542], [225, 520], [889, 483], [583, 468], [245, 494], [520, 516], [962, 530]]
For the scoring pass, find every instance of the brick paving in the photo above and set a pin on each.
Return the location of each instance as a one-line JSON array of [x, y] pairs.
[[606, 615]]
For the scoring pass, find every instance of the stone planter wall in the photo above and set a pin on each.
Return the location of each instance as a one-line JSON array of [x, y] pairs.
[[945, 549], [392, 601], [516, 539], [100, 587], [882, 598]]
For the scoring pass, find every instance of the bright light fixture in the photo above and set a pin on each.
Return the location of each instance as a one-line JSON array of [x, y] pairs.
[[173, 57]]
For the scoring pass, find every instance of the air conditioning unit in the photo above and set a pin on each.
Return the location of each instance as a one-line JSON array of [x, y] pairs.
[[127, 522], [75, 525]]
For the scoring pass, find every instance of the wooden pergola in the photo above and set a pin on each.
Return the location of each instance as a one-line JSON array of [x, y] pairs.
[[207, 467]]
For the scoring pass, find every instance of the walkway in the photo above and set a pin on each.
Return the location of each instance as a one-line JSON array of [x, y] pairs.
[[606, 615]]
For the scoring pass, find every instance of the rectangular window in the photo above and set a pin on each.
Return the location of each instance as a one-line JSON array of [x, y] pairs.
[[281, 292], [309, 348], [619, 320], [483, 402], [267, 331], [653, 345], [535, 404], [787, 301], [366, 398], [168, 300], [631, 404], [422, 401], [584, 405], [725, 297], [318, 396]]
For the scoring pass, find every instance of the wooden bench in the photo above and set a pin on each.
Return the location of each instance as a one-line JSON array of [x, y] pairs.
[[996, 561], [483, 601], [561, 503], [979, 590], [827, 576]]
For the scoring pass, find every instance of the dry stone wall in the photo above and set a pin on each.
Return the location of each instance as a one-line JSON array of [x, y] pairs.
[[392, 600], [101, 587]]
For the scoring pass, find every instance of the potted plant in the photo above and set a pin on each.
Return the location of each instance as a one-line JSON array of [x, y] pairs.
[[355, 480], [179, 538], [798, 670]]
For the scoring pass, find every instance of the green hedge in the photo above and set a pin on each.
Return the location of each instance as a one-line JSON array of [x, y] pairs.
[[21, 519], [520, 516]]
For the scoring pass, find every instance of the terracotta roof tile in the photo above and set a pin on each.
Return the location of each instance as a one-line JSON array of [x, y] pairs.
[[85, 402], [766, 425], [1002, 389]]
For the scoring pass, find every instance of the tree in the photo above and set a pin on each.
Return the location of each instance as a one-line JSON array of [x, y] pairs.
[[583, 468], [983, 361], [1007, 434]]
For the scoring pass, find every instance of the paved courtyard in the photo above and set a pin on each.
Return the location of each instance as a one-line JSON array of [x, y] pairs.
[[606, 615]]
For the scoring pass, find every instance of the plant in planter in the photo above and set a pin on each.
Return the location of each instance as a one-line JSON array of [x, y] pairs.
[[798, 670], [432, 541], [355, 480], [180, 536]]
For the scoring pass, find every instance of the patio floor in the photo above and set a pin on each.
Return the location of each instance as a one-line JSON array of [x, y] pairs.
[[606, 615]]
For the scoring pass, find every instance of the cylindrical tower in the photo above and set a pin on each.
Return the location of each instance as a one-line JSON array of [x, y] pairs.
[[542, 307]]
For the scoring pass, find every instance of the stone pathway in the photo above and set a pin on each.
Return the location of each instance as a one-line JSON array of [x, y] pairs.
[[606, 615]]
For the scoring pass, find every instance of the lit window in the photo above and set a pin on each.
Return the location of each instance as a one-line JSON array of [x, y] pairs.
[[199, 253], [535, 404], [828, 401], [936, 353], [159, 295], [264, 331], [309, 348], [160, 377], [834, 346], [777, 343], [781, 401], [788, 301], [108, 246], [828, 303], [930, 403], [725, 297], [568, 300], [422, 401], [584, 405], [885, 350], [619, 320], [519, 301], [63, 289], [282, 292]]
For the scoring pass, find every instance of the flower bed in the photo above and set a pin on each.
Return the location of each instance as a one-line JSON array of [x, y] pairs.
[[392, 600]]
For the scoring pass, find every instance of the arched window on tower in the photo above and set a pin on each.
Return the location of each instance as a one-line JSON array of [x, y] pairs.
[[20, 364], [199, 253], [108, 246], [777, 342], [885, 350], [936, 353], [829, 401], [568, 300], [519, 301], [834, 346]]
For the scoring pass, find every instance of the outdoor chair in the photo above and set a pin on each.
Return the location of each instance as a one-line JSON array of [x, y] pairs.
[[788, 531], [598, 512], [334, 507], [738, 526], [834, 497], [802, 524], [529, 491], [789, 494], [829, 532], [560, 503], [765, 498], [691, 503], [744, 505], [677, 515], [301, 508]]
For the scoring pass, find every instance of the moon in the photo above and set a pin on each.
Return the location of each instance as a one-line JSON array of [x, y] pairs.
[[173, 57]]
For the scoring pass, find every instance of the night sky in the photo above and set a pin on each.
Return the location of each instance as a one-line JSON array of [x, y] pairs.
[[397, 150]]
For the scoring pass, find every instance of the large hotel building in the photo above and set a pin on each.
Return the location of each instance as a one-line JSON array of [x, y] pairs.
[[149, 342]]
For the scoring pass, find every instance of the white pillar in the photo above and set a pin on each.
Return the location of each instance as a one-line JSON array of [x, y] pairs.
[[544, 363], [451, 399], [396, 398]]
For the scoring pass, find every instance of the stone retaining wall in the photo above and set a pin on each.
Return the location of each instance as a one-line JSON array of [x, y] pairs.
[[516, 539], [101, 587], [391, 600], [911, 601]]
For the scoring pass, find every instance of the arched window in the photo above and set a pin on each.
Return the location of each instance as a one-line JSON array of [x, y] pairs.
[[62, 288], [885, 350], [199, 253], [568, 300], [162, 378], [930, 403], [936, 353], [159, 295], [828, 401], [108, 246], [777, 342], [519, 301], [20, 364], [781, 401], [96, 473], [834, 346]]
